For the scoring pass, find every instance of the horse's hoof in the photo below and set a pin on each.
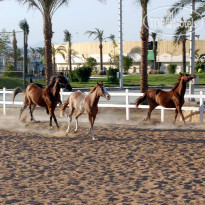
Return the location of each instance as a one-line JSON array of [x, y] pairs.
[[67, 131], [86, 134], [75, 130], [51, 127]]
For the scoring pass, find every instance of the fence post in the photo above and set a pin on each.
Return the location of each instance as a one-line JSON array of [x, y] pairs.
[[201, 107], [127, 104], [162, 114], [4, 101]]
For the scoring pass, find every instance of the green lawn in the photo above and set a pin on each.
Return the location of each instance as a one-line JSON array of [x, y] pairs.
[[133, 80]]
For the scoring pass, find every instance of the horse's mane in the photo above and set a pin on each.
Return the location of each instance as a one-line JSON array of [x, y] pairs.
[[93, 89], [52, 82], [176, 84]]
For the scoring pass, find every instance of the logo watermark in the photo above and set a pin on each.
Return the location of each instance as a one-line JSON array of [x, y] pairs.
[[163, 22]]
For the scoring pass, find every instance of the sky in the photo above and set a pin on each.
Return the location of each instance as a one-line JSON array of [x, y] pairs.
[[80, 16]]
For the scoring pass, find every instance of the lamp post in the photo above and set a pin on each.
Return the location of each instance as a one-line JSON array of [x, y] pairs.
[[121, 45], [192, 49]]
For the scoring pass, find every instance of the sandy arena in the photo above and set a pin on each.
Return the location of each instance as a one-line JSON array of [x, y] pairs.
[[131, 162]]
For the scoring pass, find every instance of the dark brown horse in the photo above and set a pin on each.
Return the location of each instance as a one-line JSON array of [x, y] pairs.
[[87, 103], [172, 99], [47, 97]]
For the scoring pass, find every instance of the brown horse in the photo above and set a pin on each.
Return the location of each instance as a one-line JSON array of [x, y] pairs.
[[85, 103], [47, 97], [172, 99]]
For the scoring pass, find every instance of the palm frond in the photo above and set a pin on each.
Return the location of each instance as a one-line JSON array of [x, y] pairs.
[[24, 26], [175, 9]]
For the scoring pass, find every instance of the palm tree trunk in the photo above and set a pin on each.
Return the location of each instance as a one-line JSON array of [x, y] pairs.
[[155, 55], [54, 63], [184, 54], [70, 62], [48, 47], [26, 54], [101, 57], [144, 39]]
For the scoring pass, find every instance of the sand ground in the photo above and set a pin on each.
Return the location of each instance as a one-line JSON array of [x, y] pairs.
[[130, 162]]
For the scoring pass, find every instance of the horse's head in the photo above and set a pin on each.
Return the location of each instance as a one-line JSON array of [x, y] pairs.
[[187, 77], [103, 91], [63, 81]]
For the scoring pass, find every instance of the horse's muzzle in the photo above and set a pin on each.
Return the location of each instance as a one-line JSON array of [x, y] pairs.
[[68, 87], [108, 97]]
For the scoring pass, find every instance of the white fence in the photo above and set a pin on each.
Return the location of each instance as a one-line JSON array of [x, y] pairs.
[[127, 105]]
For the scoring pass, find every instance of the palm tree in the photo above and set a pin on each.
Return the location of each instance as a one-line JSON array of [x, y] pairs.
[[15, 49], [112, 38], [67, 38], [144, 39], [154, 35], [47, 9], [180, 37], [61, 50], [34, 53], [98, 35], [25, 27]]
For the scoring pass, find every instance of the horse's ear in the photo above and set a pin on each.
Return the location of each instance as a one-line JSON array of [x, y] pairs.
[[180, 74], [101, 83], [98, 83]]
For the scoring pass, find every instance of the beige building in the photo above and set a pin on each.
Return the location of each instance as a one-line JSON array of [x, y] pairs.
[[167, 53]]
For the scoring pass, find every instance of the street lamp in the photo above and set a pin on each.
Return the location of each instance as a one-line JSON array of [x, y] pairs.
[[121, 45], [192, 48]]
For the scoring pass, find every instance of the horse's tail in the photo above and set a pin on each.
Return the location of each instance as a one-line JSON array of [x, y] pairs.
[[63, 107], [141, 99], [17, 91]]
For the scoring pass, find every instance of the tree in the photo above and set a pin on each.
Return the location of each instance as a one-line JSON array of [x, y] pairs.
[[5, 46], [144, 41], [98, 35], [127, 63], [34, 53], [47, 9], [91, 62], [25, 27], [154, 35], [180, 37], [68, 38], [14, 43], [61, 50], [112, 38]]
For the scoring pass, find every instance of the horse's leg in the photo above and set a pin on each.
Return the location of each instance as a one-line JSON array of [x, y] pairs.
[[91, 120], [33, 106], [52, 115], [76, 120], [51, 121], [181, 114], [176, 113], [70, 113], [25, 104], [55, 120], [152, 106]]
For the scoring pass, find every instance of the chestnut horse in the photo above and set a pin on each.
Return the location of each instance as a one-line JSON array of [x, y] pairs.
[[47, 97], [172, 99], [87, 103]]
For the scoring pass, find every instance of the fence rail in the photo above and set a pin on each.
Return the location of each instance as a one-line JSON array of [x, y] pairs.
[[127, 105]]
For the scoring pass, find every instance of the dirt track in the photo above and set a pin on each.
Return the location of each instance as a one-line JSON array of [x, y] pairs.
[[127, 164]]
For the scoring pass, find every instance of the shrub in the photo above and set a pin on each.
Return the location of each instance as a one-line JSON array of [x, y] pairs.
[[72, 77], [82, 74], [9, 72], [112, 75], [171, 68]]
